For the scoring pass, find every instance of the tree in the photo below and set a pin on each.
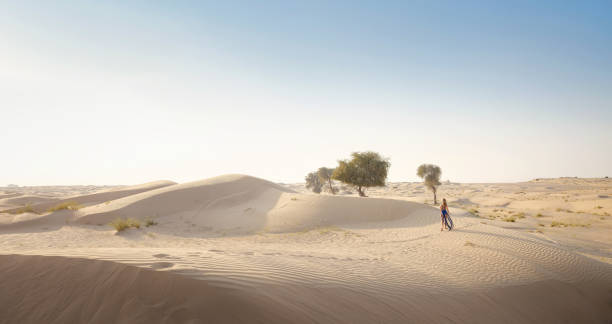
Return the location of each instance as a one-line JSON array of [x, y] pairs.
[[365, 169], [431, 177], [325, 176], [313, 182]]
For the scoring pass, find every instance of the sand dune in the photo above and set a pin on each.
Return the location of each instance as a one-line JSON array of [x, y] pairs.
[[97, 197], [37, 289], [246, 204], [283, 255]]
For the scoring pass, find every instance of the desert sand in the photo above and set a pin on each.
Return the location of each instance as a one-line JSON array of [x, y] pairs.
[[237, 248]]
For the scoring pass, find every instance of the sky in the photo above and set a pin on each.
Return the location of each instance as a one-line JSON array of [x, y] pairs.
[[125, 92]]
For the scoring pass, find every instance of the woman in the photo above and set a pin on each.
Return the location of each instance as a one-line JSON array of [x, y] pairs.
[[445, 216]]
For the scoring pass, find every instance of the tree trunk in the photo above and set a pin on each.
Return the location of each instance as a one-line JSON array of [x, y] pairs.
[[331, 188], [435, 198], [360, 191]]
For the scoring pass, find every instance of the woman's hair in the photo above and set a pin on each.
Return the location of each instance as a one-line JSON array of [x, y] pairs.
[[444, 201]]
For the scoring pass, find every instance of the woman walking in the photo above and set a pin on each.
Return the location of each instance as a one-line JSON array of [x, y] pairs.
[[445, 216]]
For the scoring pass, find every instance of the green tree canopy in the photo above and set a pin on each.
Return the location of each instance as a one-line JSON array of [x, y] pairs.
[[431, 177], [365, 169]]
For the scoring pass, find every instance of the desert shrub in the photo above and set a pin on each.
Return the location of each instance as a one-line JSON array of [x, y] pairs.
[[510, 219], [121, 224], [325, 177], [313, 182], [539, 215], [520, 215], [133, 223], [431, 177], [69, 205], [25, 209], [150, 222], [561, 224], [364, 170]]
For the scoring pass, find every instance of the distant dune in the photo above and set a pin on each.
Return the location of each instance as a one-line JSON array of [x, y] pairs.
[[15, 221]]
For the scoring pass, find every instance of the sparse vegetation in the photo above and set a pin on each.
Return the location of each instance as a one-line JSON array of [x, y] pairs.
[[364, 170], [329, 229], [539, 215], [510, 219], [294, 198], [25, 209], [468, 243], [431, 177], [121, 224], [599, 207], [150, 222], [561, 224], [325, 176], [520, 215], [313, 182], [473, 211], [69, 205]]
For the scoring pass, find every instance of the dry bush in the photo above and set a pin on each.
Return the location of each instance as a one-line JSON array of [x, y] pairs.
[[70, 205], [121, 224], [25, 209]]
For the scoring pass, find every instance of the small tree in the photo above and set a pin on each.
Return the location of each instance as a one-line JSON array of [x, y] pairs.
[[431, 177], [313, 182], [325, 177], [365, 169]]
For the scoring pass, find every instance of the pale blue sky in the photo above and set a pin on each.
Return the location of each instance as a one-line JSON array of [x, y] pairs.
[[127, 92]]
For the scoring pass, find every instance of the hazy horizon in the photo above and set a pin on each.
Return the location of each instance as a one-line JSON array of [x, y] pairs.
[[126, 93]]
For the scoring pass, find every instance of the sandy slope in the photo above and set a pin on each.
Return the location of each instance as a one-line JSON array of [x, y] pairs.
[[41, 204], [322, 258], [41, 218], [37, 289], [242, 204]]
